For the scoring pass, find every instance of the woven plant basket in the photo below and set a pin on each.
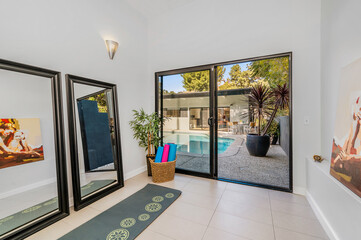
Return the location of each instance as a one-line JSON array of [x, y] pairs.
[[149, 168], [162, 172]]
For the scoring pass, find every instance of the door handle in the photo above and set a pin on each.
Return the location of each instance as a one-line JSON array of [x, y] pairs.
[[210, 121]]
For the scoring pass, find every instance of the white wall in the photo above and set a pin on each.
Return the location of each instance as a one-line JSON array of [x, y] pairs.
[[210, 31], [68, 36], [339, 208], [341, 37]]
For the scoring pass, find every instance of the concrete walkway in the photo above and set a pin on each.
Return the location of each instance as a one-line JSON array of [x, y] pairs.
[[236, 164]]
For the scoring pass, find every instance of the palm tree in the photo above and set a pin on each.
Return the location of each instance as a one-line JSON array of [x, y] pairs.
[[260, 97], [281, 96]]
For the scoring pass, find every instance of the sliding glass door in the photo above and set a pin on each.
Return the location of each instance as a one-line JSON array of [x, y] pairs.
[[238, 92], [214, 115], [185, 105]]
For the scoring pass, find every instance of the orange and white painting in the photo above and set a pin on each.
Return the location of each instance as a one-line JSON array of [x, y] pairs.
[[20, 141], [346, 146]]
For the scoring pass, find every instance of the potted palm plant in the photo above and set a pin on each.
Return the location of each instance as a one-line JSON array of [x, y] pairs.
[[146, 131], [265, 103]]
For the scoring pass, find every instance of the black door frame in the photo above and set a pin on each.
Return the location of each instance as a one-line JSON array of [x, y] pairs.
[[213, 115], [159, 76]]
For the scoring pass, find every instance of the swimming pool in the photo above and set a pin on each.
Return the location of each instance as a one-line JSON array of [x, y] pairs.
[[195, 143]]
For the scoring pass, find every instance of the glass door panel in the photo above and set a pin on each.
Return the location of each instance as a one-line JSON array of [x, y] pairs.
[[237, 116], [185, 105]]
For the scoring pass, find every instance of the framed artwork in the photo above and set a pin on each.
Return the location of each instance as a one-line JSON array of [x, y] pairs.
[[33, 189], [20, 141], [346, 145]]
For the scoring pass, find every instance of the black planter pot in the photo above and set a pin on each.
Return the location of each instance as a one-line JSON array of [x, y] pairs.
[[258, 145]]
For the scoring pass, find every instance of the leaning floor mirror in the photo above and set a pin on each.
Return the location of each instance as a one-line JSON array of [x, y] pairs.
[[33, 182], [94, 139]]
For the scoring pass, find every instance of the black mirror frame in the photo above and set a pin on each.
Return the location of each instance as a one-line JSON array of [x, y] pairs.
[[62, 187], [80, 203]]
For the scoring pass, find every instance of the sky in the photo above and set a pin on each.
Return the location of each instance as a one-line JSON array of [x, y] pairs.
[[174, 82]]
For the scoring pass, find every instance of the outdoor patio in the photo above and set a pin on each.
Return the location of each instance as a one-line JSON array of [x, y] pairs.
[[236, 164]]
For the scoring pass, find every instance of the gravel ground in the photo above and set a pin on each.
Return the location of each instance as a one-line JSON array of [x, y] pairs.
[[236, 164]]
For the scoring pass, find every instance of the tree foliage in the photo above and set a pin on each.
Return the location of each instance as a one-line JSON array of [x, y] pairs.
[[261, 105], [266, 102], [281, 99], [101, 101], [168, 92], [199, 81], [269, 72], [260, 81], [237, 79], [220, 72], [196, 81], [275, 71]]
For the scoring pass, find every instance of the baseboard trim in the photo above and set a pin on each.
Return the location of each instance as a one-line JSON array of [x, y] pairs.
[[299, 190], [135, 172], [71, 202], [321, 218], [27, 188], [128, 175]]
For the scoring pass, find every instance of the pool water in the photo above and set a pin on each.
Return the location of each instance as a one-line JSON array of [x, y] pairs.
[[195, 143]]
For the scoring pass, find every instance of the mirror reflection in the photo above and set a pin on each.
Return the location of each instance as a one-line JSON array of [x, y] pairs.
[[28, 177], [96, 138]]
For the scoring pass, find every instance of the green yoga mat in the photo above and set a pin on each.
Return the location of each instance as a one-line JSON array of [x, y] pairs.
[[127, 219], [18, 219], [94, 186]]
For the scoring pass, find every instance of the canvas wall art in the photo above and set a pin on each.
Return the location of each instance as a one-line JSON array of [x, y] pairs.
[[20, 141], [346, 146]]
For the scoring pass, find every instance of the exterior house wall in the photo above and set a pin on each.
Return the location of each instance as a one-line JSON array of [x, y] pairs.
[[177, 123], [237, 112], [238, 105]]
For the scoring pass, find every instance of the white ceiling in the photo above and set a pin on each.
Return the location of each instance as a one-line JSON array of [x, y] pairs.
[[152, 8]]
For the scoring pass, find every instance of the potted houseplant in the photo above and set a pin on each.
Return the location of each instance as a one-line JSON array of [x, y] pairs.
[[265, 104], [146, 131]]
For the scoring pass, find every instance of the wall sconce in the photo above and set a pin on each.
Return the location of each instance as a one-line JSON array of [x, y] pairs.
[[112, 47]]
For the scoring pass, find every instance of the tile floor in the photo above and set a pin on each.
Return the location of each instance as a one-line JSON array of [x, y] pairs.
[[21, 201], [211, 210]]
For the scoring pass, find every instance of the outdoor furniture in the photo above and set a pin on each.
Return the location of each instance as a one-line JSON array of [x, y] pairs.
[[234, 129], [229, 127], [240, 128], [246, 128]]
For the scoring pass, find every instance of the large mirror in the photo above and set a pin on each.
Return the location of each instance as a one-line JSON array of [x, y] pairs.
[[94, 139], [33, 187]]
